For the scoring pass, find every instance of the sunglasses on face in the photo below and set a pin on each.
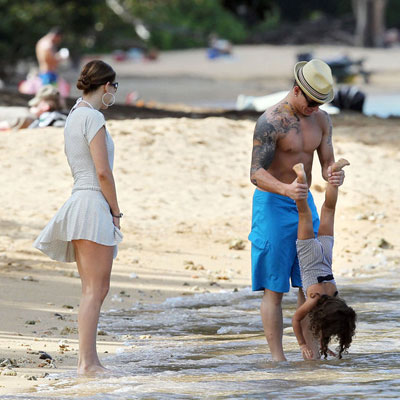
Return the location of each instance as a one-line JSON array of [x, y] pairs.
[[114, 85], [310, 103]]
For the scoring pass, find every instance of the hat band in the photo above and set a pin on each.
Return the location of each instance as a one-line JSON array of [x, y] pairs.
[[320, 96]]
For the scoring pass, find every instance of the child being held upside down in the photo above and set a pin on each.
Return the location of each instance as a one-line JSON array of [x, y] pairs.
[[329, 315]]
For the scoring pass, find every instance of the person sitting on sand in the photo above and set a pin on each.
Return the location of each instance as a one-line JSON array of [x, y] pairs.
[[47, 106], [329, 315], [45, 110]]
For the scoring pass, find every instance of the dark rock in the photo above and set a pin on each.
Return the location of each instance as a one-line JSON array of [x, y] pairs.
[[45, 356]]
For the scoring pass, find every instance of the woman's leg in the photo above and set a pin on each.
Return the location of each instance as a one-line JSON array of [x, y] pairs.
[[94, 265], [326, 226], [305, 228]]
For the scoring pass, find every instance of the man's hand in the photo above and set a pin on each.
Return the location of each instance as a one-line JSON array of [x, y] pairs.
[[307, 352], [297, 191], [335, 178]]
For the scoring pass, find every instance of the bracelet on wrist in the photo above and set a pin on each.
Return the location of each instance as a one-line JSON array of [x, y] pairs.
[[117, 216]]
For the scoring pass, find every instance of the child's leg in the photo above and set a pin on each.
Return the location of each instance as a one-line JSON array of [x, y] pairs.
[[326, 226], [305, 229]]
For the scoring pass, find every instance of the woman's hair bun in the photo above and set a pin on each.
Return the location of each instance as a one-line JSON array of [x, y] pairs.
[[83, 82]]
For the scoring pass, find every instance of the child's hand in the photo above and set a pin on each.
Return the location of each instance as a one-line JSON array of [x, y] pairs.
[[335, 178], [306, 351], [331, 353]]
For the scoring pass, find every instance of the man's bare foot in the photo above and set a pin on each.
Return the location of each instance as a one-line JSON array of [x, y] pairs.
[[338, 165], [279, 359], [92, 370], [301, 174]]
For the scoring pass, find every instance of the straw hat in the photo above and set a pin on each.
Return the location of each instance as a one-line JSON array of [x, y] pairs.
[[48, 93], [315, 79]]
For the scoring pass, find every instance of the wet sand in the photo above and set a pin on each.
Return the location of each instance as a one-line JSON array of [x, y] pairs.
[[184, 189]]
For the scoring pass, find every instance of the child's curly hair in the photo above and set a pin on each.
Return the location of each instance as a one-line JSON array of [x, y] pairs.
[[332, 317]]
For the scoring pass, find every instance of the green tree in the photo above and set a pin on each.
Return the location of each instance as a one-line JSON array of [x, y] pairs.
[[95, 26], [186, 23], [24, 22]]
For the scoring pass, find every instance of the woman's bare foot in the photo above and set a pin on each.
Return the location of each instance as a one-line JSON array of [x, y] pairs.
[[92, 370], [338, 165], [301, 174]]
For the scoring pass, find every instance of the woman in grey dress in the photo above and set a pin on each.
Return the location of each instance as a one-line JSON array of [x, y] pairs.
[[86, 228]]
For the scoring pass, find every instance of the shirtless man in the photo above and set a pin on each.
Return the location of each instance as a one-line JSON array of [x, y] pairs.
[[48, 57], [286, 134]]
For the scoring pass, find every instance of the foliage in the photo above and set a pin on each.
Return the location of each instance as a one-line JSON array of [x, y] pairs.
[[186, 23], [393, 14], [251, 12], [92, 25], [24, 22], [295, 10], [272, 20]]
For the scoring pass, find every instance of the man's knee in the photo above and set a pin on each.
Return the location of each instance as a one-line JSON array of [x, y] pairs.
[[272, 298]]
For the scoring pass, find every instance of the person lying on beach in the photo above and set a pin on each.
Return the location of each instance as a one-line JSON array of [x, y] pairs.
[[329, 315]]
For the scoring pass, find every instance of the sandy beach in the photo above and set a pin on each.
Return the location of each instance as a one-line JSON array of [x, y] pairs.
[[184, 189], [183, 186]]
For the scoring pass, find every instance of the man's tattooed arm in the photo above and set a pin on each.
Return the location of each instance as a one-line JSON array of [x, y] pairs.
[[264, 144]]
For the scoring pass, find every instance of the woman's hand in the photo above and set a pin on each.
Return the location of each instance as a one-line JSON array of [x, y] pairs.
[[116, 222]]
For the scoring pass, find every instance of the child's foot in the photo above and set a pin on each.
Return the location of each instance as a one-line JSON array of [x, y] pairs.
[[301, 174], [338, 165]]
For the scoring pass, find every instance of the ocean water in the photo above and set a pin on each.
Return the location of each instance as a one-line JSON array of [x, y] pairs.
[[211, 346], [383, 106], [379, 105]]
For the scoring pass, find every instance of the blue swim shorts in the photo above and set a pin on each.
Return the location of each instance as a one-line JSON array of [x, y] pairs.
[[48, 78], [273, 241]]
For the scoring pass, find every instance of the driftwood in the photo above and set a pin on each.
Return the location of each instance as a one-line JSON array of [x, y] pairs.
[[121, 111]]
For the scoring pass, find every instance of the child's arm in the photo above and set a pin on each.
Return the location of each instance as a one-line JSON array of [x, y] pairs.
[[298, 316]]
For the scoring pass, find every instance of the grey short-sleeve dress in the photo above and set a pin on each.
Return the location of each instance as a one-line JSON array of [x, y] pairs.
[[86, 214]]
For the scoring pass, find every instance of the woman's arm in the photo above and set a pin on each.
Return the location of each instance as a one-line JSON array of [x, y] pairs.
[[98, 150]]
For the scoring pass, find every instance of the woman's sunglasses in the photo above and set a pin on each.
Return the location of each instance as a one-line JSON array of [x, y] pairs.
[[114, 85]]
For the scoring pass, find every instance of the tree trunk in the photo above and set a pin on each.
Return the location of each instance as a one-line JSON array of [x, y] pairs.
[[370, 22]]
